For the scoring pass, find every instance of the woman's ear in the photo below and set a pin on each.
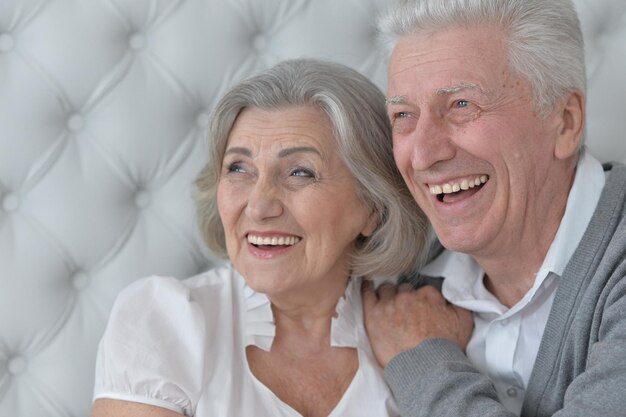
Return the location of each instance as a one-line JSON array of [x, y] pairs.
[[371, 225], [571, 121]]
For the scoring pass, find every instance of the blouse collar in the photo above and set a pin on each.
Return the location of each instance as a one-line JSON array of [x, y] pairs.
[[259, 319]]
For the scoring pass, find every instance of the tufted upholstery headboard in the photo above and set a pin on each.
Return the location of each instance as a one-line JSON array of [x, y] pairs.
[[103, 108]]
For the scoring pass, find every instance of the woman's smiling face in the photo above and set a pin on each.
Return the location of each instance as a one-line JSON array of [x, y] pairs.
[[289, 205]]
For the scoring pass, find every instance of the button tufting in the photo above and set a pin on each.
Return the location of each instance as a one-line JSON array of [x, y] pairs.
[[202, 119], [511, 392], [142, 199], [10, 202], [81, 280], [6, 42], [259, 42], [75, 122], [17, 365], [137, 41]]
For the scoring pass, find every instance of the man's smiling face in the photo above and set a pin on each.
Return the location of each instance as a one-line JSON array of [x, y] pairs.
[[468, 140]]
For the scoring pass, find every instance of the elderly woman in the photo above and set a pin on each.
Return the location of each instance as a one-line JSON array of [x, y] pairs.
[[302, 194]]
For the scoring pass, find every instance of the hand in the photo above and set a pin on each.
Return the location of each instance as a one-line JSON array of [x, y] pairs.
[[400, 318]]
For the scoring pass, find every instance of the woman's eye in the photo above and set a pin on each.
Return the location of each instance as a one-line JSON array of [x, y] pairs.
[[235, 167], [302, 172]]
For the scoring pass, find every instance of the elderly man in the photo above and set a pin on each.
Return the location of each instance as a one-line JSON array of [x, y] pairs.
[[487, 104]]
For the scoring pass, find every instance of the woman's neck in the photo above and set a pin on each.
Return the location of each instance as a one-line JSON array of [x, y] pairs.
[[308, 312], [302, 368]]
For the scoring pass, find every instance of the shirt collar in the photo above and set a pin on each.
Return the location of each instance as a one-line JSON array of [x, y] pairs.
[[461, 273], [260, 328]]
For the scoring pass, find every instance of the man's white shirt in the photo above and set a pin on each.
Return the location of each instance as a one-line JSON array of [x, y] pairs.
[[505, 341]]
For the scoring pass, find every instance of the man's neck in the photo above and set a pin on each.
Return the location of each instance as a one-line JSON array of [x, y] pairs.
[[510, 274], [511, 265]]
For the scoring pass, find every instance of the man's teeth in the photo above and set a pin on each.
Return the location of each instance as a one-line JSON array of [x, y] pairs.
[[273, 241], [458, 186]]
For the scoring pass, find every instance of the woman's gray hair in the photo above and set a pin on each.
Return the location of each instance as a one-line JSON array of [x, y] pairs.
[[356, 109], [544, 38]]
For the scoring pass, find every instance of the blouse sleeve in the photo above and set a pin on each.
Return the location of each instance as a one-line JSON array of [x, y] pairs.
[[153, 347]]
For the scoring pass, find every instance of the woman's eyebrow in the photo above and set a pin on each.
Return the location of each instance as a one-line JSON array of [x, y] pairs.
[[297, 149], [236, 150], [239, 151]]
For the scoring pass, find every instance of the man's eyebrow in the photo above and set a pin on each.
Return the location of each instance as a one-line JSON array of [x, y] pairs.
[[396, 100], [440, 92], [297, 149], [458, 87]]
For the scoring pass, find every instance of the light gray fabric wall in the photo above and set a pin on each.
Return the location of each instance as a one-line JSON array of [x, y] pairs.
[[103, 108]]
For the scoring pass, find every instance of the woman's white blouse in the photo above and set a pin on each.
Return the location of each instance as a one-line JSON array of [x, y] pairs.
[[181, 345]]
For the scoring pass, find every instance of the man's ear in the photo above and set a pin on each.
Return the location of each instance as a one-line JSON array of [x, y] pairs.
[[570, 124]]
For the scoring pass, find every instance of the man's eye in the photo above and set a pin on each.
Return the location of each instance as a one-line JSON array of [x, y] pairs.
[[403, 122], [460, 104]]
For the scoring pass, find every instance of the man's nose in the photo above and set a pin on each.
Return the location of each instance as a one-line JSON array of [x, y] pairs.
[[432, 142], [264, 200]]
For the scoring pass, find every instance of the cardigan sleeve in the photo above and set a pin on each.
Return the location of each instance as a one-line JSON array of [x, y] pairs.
[[435, 378]]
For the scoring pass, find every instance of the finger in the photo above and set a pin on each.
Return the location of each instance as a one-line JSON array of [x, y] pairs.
[[368, 295], [431, 294], [465, 316], [405, 287], [386, 290]]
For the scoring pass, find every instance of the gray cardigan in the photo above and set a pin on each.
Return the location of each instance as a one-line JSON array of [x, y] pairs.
[[580, 368]]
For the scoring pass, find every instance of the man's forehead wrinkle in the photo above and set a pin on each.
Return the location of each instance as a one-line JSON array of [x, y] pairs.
[[415, 60], [418, 51], [407, 64]]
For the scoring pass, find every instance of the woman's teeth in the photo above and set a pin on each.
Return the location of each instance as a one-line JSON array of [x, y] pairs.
[[273, 241]]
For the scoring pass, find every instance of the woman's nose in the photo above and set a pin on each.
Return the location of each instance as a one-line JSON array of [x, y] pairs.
[[264, 201]]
